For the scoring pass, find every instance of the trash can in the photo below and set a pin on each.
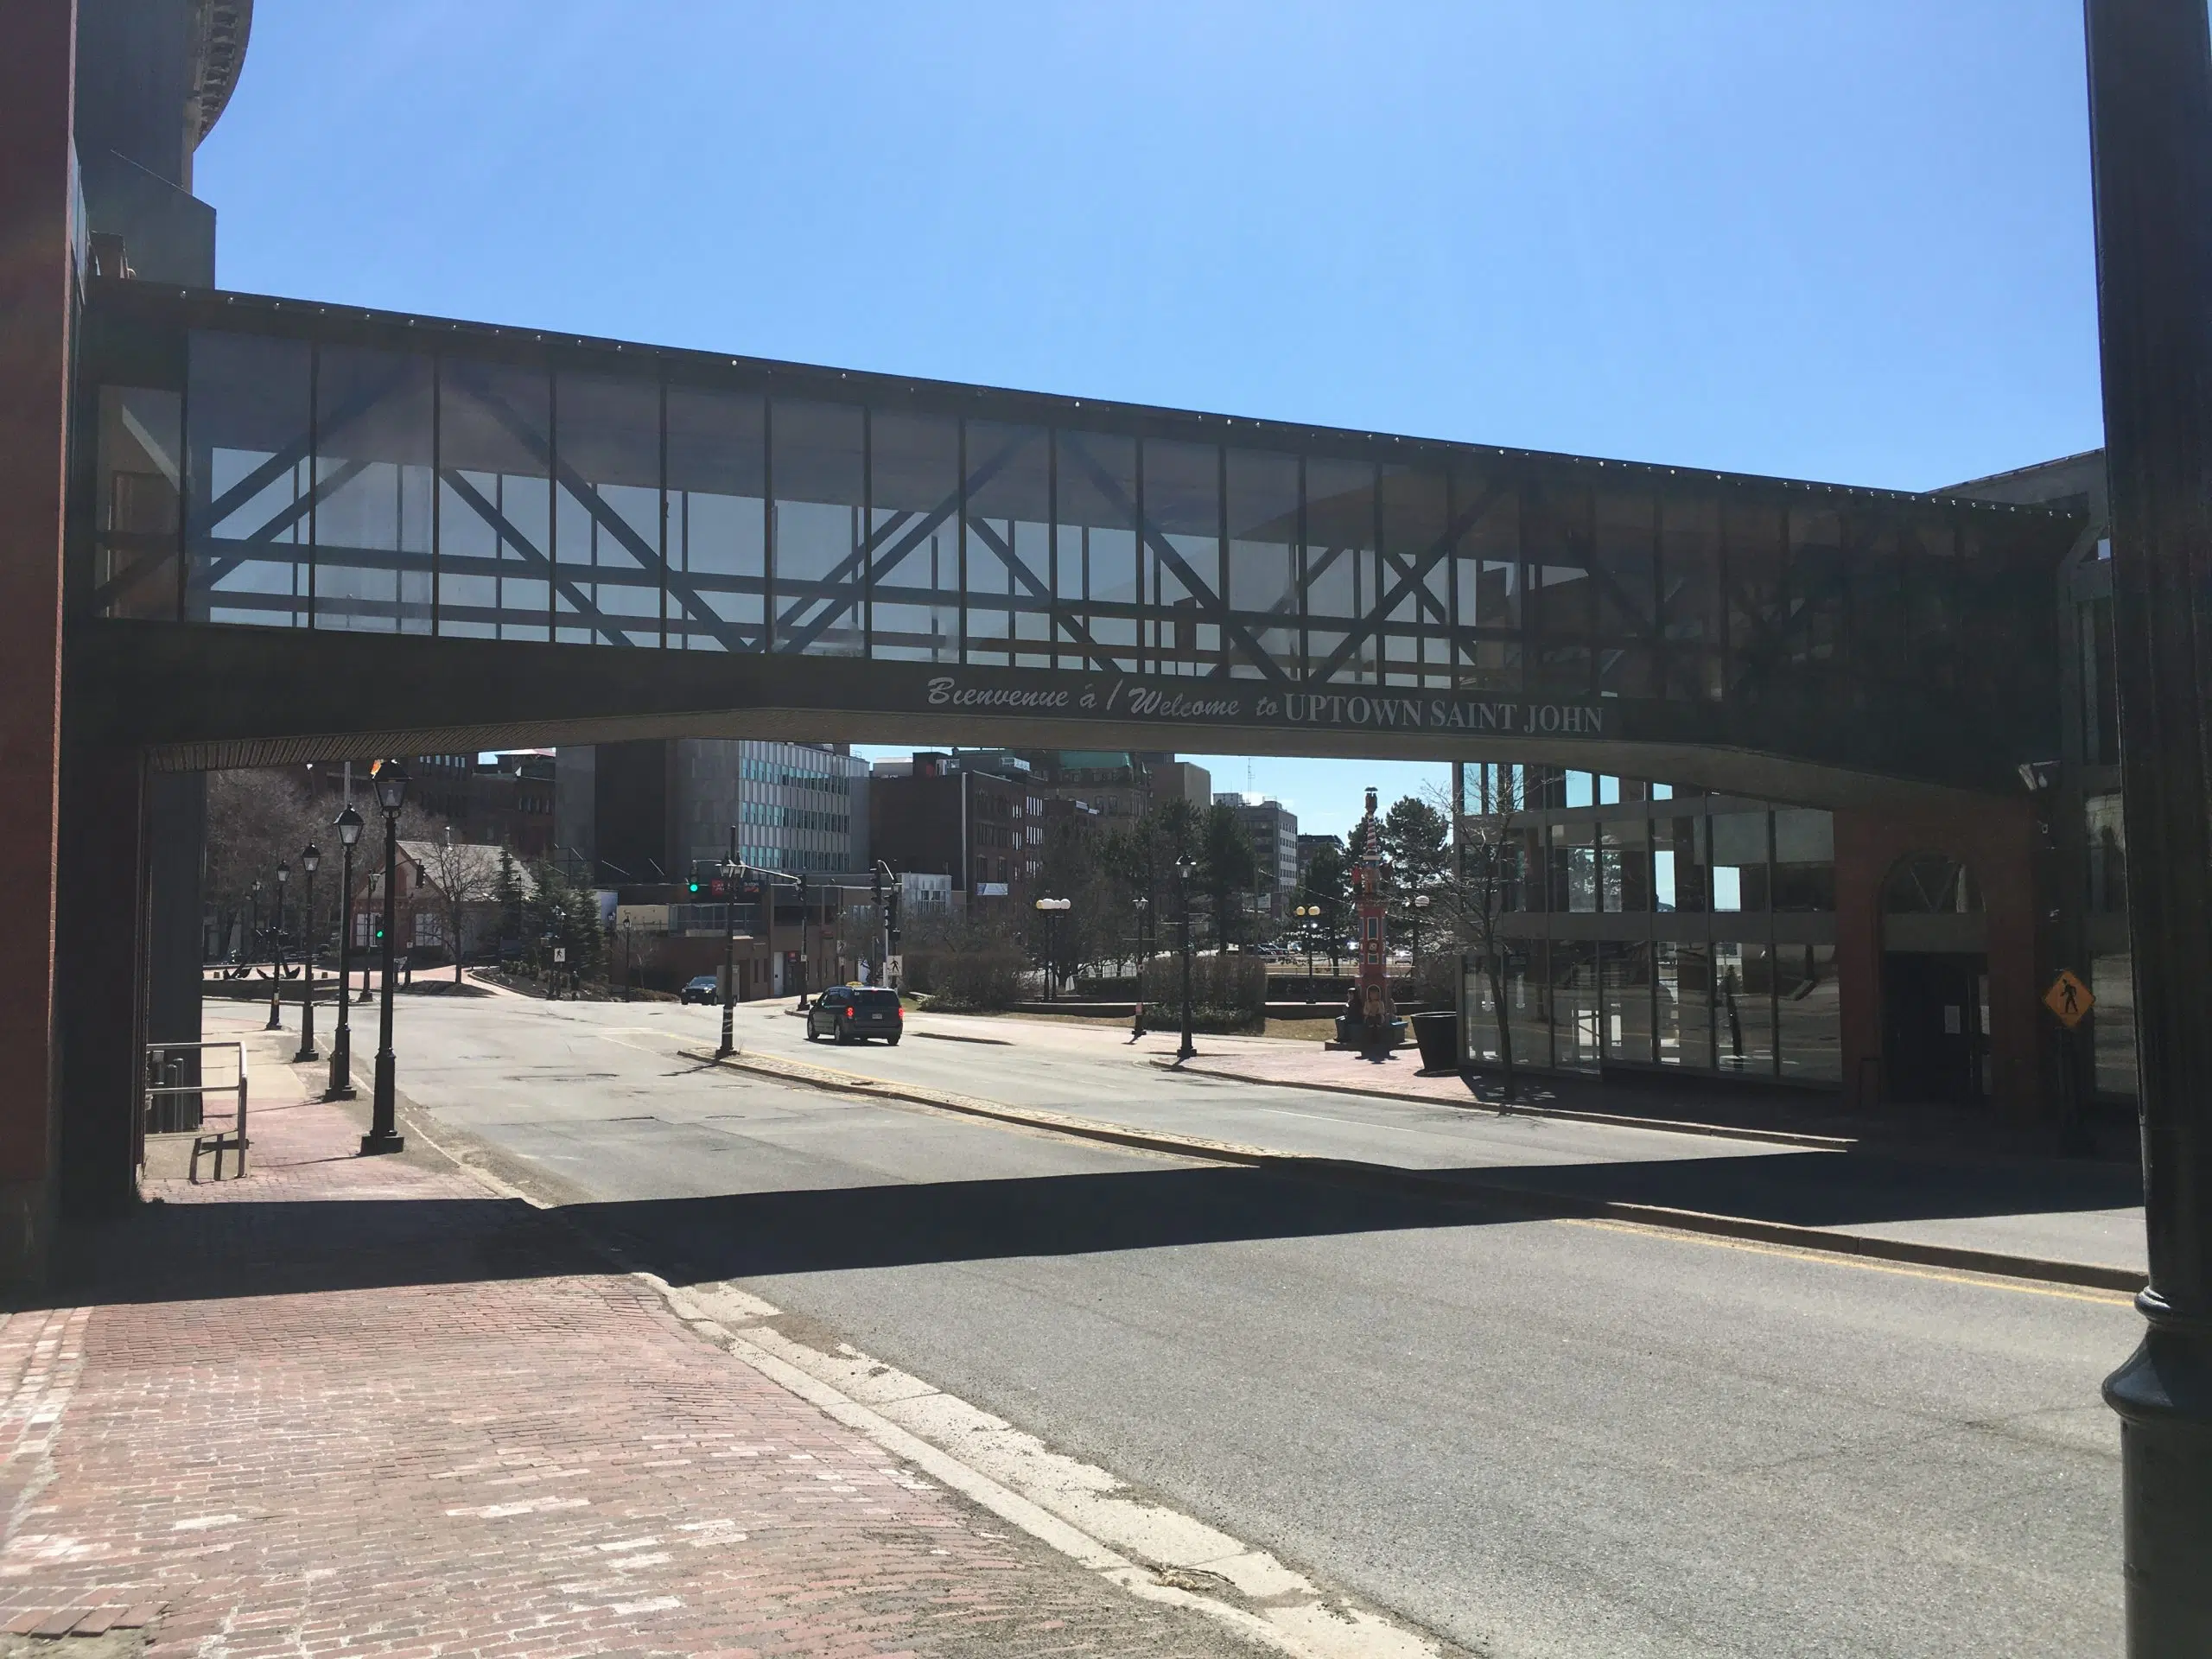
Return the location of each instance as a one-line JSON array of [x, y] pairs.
[[1438, 1034]]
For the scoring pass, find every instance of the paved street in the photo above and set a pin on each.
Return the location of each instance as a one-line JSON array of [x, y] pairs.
[[1530, 1436]]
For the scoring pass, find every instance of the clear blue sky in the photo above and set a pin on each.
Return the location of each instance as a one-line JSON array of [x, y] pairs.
[[1846, 240]]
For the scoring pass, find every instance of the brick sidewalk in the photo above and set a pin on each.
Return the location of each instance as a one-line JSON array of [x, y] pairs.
[[363, 1407]]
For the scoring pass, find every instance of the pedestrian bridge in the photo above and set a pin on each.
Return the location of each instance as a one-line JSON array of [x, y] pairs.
[[307, 531]]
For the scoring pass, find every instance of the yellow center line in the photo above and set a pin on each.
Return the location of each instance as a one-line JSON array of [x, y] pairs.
[[1866, 1264]]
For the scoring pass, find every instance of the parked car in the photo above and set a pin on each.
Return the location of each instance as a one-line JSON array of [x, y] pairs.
[[701, 987], [850, 1013]]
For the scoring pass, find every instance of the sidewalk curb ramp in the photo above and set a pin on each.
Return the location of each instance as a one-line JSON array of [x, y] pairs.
[[1398, 1179]]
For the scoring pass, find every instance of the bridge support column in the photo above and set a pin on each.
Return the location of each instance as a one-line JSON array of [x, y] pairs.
[[177, 827], [100, 965], [36, 83]]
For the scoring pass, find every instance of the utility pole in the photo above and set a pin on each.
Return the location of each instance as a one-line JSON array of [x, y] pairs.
[[2150, 159]]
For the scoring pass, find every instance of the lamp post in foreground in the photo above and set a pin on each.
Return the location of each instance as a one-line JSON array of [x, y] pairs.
[[390, 781], [348, 826], [731, 870], [310, 857], [277, 953], [2150, 160], [1185, 869]]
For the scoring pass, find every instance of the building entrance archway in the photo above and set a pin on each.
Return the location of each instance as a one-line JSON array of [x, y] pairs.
[[1934, 982]]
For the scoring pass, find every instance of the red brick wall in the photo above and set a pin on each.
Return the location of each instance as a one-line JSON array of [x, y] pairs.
[[36, 71], [1995, 839]]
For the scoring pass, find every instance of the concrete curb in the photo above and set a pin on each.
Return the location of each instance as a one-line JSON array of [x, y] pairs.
[[1396, 1178], [1566, 1113]]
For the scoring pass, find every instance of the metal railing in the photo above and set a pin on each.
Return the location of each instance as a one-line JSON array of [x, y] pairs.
[[167, 1092]]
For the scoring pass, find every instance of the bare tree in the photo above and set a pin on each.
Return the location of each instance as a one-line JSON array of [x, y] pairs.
[[1470, 899], [462, 876]]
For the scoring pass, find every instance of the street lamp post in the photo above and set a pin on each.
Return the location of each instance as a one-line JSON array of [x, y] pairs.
[[252, 943], [390, 780], [731, 870], [1308, 915], [1051, 909], [277, 953], [804, 956], [310, 857], [1185, 869], [1420, 905], [2150, 65], [348, 826]]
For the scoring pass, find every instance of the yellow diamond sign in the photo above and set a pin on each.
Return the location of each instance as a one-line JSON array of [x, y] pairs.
[[2069, 998]]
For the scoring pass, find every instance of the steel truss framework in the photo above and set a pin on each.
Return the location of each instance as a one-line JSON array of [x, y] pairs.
[[278, 464]]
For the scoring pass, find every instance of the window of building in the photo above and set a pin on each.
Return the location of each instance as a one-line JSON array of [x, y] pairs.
[[1739, 861], [1744, 1007], [1804, 860], [1808, 1026], [2107, 839]]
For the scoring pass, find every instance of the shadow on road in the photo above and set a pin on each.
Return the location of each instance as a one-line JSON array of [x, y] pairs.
[[247, 1248]]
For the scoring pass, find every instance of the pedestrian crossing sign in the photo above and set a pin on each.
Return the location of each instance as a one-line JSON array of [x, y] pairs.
[[2069, 998]]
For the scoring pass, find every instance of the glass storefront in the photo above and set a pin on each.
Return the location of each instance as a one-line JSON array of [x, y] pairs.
[[1667, 930]]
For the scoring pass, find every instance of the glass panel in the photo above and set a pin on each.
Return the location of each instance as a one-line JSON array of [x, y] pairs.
[[717, 519], [2112, 982], [1744, 1015], [1739, 861], [1182, 510], [1576, 1046], [1814, 603], [1529, 1003], [1810, 1029], [2107, 849], [1575, 867], [1625, 580], [249, 496], [495, 501], [1486, 571], [1627, 971], [1580, 789], [814, 472], [914, 534], [374, 473], [1624, 865], [134, 516], [1804, 860], [1340, 568], [1689, 565], [1684, 981], [1095, 546], [1679, 865], [606, 518], [1263, 556], [1416, 646], [1752, 546], [1555, 528]]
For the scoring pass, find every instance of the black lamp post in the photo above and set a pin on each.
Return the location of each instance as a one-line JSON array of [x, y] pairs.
[[731, 870], [2151, 162], [1185, 869], [310, 856], [342, 1042], [1308, 915], [805, 957], [277, 953], [390, 781], [1051, 909]]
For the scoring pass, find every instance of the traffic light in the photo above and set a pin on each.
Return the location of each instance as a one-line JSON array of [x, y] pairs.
[[692, 886]]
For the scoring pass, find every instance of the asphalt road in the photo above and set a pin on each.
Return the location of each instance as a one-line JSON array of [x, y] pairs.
[[1534, 1437]]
